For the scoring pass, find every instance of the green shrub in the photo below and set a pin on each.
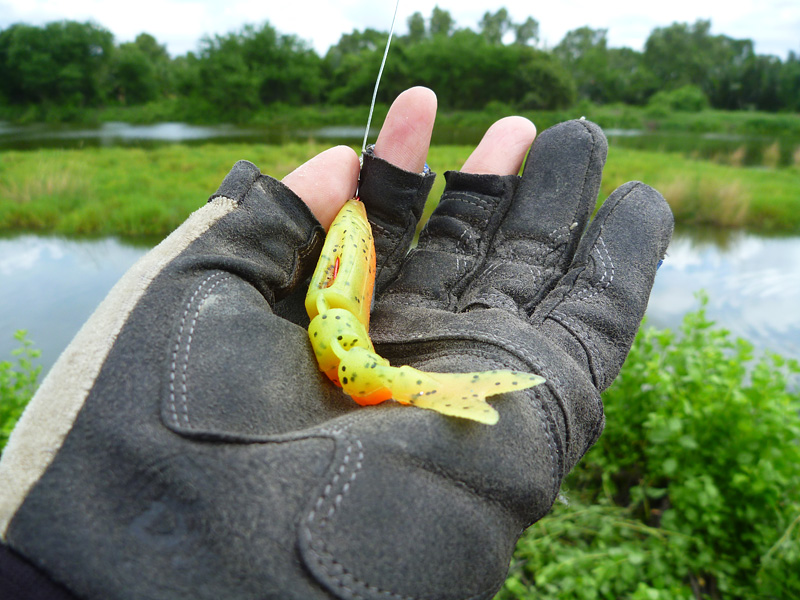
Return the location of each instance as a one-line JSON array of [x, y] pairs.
[[694, 487], [17, 384], [688, 98]]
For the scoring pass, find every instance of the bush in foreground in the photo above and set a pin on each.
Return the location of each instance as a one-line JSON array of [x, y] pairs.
[[18, 381], [694, 487]]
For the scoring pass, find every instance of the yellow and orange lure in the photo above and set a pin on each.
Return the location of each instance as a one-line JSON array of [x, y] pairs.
[[338, 304]]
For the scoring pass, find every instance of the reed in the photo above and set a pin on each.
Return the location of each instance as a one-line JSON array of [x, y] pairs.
[[137, 192]]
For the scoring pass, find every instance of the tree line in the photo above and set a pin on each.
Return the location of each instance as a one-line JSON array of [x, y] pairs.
[[684, 66]]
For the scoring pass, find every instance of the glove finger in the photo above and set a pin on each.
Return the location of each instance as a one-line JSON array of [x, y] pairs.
[[394, 200], [596, 308], [537, 238], [454, 242], [270, 238]]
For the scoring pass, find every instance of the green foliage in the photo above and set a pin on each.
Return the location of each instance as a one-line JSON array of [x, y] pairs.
[[141, 71], [604, 75], [18, 381], [61, 71], [237, 73], [789, 83], [64, 63], [693, 488], [688, 98], [468, 71], [134, 75]]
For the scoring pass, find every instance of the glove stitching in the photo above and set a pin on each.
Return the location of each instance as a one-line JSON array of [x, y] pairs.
[[577, 279], [312, 246], [492, 298], [383, 230], [583, 336], [185, 360], [318, 547], [341, 577], [412, 299], [598, 286], [469, 198]]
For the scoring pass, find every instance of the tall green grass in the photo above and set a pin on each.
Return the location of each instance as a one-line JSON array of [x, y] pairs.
[[138, 192]]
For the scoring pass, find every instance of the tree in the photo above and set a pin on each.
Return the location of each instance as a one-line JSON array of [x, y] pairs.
[[527, 32], [604, 74], [133, 75], [356, 42], [789, 83], [585, 54], [441, 22], [684, 54], [239, 72], [494, 26], [64, 63], [416, 27], [468, 72], [141, 70]]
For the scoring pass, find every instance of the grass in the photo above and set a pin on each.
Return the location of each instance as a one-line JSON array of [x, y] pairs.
[[138, 192]]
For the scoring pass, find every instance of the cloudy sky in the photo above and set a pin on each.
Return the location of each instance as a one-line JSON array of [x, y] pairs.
[[774, 25]]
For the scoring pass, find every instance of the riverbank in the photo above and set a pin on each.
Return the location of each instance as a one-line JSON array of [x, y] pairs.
[[137, 192], [289, 117]]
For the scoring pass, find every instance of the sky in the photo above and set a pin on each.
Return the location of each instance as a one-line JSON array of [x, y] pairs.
[[774, 25]]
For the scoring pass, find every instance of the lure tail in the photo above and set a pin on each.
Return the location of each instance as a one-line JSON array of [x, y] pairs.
[[369, 379]]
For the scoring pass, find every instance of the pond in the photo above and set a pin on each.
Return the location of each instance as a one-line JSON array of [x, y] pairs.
[[51, 285], [739, 149]]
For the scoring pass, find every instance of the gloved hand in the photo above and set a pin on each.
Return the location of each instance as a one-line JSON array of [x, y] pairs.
[[187, 446]]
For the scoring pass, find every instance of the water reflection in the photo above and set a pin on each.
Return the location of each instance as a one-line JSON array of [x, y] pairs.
[[50, 286], [740, 149], [30, 137], [753, 284]]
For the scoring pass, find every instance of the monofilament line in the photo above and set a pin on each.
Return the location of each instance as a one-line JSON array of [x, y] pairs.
[[378, 81]]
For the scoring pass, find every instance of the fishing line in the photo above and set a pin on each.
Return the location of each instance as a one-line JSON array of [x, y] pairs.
[[378, 81]]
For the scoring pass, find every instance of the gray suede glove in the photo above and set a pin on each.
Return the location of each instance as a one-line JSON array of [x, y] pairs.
[[187, 446]]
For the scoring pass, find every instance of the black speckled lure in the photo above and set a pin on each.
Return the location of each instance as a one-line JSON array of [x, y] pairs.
[[338, 303]]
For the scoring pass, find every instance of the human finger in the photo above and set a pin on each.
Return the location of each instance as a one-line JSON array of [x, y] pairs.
[[326, 182], [394, 180], [503, 147], [405, 137]]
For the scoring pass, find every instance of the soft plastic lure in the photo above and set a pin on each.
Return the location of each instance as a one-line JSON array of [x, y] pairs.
[[338, 303]]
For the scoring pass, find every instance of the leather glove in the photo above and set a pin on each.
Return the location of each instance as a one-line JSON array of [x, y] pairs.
[[187, 446]]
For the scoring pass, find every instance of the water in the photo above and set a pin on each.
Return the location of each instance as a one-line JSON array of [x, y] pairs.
[[746, 150], [51, 285], [29, 137], [753, 283]]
